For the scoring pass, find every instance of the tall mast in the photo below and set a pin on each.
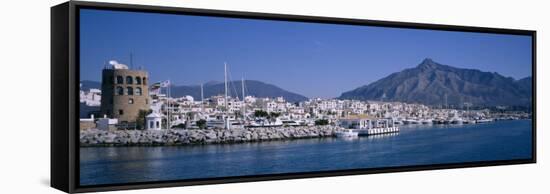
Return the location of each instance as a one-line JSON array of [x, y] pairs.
[[225, 83], [226, 122], [244, 104], [202, 99], [131, 61]]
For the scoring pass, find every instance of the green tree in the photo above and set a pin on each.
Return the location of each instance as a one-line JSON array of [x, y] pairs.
[[260, 113], [321, 122], [179, 126], [274, 114], [201, 124], [140, 119], [238, 114]]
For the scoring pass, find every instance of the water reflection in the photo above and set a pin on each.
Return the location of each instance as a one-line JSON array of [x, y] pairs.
[[382, 136]]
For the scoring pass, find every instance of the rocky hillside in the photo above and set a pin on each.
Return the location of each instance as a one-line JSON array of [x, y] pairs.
[[432, 83]]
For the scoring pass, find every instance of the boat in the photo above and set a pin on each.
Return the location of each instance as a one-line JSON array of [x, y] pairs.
[[410, 121], [484, 120], [458, 121], [427, 121], [438, 121], [276, 123], [265, 123], [467, 121], [219, 124], [236, 124], [347, 133], [288, 122]]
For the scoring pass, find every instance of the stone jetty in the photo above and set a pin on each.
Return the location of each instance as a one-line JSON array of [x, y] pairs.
[[95, 137]]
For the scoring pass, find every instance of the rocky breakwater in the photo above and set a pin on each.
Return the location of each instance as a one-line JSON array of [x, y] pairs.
[[94, 137]]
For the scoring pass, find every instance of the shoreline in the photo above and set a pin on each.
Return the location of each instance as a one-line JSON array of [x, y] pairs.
[[183, 137]]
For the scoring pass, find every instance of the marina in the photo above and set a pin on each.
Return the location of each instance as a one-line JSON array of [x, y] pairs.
[[412, 145], [234, 109]]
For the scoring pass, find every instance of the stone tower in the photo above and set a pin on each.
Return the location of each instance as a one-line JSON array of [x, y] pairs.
[[124, 92]]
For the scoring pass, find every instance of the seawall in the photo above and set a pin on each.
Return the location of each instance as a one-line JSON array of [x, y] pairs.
[[95, 137]]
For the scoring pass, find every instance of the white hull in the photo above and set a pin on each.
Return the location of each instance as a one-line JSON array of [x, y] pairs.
[[347, 133]]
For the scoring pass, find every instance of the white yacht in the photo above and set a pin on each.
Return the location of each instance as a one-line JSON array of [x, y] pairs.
[[457, 120], [410, 122], [347, 133], [484, 120], [426, 121], [288, 122]]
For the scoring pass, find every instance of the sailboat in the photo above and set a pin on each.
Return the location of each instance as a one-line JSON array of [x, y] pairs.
[[231, 123], [227, 125]]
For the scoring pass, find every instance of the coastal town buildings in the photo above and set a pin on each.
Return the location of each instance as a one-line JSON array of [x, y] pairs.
[[126, 102], [92, 97]]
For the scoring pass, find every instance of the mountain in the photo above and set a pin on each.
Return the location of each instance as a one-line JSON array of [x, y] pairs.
[[432, 83], [253, 88], [87, 84], [526, 84], [212, 88], [84, 110]]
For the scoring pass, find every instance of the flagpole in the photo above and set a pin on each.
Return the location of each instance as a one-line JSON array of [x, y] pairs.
[[166, 97], [169, 106]]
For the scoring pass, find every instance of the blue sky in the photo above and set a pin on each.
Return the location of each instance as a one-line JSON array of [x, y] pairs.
[[315, 60]]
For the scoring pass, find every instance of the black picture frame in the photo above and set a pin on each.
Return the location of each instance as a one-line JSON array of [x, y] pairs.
[[65, 78]]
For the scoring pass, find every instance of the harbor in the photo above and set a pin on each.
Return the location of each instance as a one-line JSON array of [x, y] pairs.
[[136, 113], [413, 145]]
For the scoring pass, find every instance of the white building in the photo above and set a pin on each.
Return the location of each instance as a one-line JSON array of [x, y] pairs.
[[106, 123], [356, 122], [153, 121], [91, 97]]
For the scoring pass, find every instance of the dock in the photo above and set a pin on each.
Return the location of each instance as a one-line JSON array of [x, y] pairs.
[[376, 131]]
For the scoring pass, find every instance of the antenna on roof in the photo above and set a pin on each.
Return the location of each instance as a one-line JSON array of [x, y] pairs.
[[131, 60]]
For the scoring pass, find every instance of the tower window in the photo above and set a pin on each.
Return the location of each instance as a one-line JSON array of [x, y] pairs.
[[129, 91], [138, 91], [144, 81], [129, 80], [120, 111], [119, 80], [131, 101], [119, 90], [138, 80]]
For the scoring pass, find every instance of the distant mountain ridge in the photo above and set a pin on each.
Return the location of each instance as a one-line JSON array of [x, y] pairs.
[[212, 88], [86, 85], [432, 83], [253, 88]]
